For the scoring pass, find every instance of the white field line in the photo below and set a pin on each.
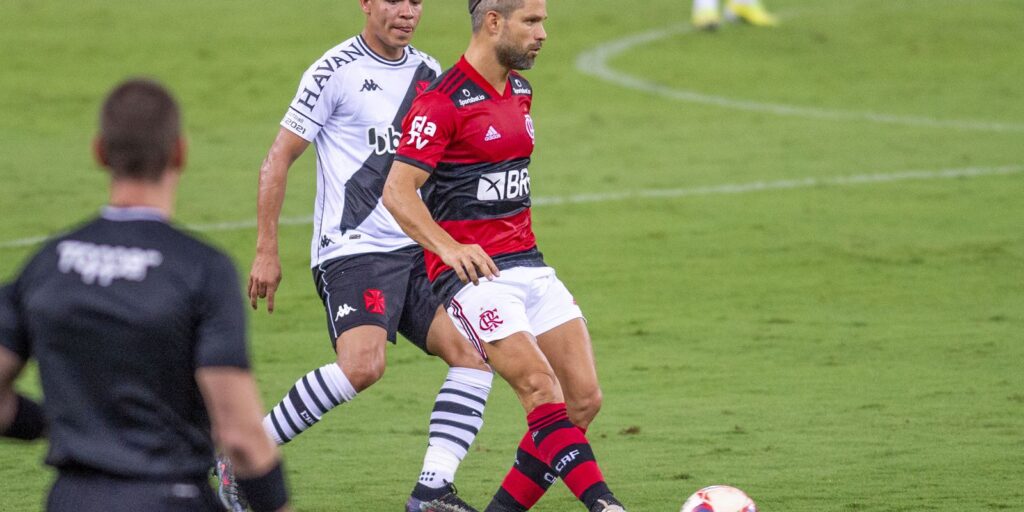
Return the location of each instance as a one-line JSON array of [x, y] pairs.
[[594, 62], [665, 193]]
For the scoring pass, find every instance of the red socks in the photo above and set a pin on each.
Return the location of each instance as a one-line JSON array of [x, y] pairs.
[[551, 442]]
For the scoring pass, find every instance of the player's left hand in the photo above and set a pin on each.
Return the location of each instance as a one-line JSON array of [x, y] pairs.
[[470, 262]]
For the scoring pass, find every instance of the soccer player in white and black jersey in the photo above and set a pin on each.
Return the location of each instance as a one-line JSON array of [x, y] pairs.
[[368, 273], [139, 332]]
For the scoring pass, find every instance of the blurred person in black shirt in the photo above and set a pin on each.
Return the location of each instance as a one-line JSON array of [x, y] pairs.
[[139, 333]]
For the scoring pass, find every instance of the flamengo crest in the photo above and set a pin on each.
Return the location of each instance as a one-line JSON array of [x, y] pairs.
[[489, 320]]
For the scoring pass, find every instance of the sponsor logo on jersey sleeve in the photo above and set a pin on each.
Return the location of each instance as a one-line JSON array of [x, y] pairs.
[[322, 73], [519, 87], [468, 98], [420, 132], [503, 186], [295, 122]]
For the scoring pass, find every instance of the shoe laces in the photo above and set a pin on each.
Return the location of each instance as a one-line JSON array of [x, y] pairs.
[[451, 487]]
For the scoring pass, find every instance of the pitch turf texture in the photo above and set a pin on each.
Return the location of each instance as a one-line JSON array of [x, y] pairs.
[[826, 344]]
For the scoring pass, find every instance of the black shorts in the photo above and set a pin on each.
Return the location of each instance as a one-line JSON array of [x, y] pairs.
[[82, 491], [386, 289]]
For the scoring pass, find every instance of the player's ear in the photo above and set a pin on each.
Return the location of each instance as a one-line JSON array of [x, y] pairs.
[[365, 5], [179, 154], [98, 153], [493, 21]]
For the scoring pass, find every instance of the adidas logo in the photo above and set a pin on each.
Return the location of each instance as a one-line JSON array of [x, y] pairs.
[[492, 134]]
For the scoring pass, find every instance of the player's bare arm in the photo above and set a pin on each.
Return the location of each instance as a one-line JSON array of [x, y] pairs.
[[235, 411], [265, 275], [469, 261]]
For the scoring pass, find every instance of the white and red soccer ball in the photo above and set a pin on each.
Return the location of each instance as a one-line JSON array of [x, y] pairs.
[[719, 498]]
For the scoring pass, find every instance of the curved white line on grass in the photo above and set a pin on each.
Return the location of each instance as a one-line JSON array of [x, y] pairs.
[[594, 62], [669, 193]]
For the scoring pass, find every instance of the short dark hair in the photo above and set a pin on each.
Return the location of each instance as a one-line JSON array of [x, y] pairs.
[[479, 8], [139, 128]]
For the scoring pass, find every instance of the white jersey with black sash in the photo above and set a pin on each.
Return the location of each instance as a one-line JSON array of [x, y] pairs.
[[350, 104]]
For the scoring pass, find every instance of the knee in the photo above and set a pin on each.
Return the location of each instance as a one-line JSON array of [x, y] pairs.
[[538, 388], [461, 355], [362, 374], [583, 409]]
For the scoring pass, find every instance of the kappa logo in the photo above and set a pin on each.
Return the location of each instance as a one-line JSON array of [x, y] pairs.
[[420, 131], [325, 242], [489, 320], [370, 85], [374, 301], [492, 134], [344, 311]]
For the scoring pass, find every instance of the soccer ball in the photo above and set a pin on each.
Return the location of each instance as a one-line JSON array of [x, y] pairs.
[[719, 498]]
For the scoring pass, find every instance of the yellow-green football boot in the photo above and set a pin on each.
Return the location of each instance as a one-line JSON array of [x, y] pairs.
[[752, 13], [706, 19]]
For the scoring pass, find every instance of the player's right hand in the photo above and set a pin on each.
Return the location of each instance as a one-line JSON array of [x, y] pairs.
[[470, 263], [263, 280]]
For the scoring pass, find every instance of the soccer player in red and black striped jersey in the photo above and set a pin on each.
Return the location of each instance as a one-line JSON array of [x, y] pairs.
[[466, 147]]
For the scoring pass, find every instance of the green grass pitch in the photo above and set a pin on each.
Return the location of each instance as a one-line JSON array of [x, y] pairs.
[[800, 250]]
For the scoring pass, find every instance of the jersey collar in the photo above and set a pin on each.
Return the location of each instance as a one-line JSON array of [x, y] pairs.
[[373, 55], [476, 77], [131, 213]]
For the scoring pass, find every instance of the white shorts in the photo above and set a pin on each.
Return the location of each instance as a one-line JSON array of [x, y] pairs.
[[529, 299]]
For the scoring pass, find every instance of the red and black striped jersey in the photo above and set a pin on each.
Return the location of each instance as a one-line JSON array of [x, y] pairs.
[[476, 143]]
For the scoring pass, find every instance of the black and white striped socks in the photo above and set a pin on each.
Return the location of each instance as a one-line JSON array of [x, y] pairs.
[[454, 423], [309, 399]]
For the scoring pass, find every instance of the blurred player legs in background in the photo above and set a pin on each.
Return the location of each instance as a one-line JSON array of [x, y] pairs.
[[707, 15]]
